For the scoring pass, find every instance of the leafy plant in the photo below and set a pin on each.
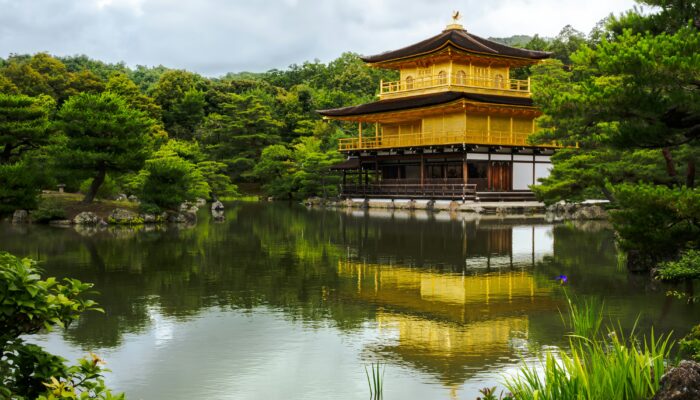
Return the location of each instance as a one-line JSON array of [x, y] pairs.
[[690, 344], [30, 305], [48, 210], [599, 366]]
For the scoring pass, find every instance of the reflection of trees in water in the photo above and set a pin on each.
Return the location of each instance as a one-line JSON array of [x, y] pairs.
[[286, 257]]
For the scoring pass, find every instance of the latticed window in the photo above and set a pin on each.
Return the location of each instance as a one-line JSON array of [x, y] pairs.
[[442, 78], [409, 82]]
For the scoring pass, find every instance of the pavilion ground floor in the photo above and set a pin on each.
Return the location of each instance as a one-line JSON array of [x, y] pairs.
[[501, 173]]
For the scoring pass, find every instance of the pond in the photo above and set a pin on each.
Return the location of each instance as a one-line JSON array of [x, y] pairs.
[[279, 301]]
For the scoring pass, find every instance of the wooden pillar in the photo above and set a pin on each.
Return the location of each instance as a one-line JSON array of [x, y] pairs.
[[488, 130], [422, 171], [511, 131], [465, 170], [376, 170], [359, 134], [376, 134], [345, 176], [488, 173]]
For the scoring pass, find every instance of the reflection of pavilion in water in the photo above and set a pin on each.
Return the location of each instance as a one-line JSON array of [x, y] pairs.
[[455, 325], [450, 244]]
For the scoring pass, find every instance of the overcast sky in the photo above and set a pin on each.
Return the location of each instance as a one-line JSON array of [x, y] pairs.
[[213, 37]]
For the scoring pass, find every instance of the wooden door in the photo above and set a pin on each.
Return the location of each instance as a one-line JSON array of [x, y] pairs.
[[500, 176]]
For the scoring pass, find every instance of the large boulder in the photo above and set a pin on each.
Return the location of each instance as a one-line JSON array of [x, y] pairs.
[[20, 217], [121, 197], [188, 207], [680, 383], [120, 216], [217, 206], [133, 199], [87, 218], [590, 212]]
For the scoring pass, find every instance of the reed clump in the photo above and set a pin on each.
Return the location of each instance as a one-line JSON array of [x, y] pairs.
[[603, 362]]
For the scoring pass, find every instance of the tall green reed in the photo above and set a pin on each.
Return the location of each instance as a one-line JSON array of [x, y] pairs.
[[375, 381], [601, 363]]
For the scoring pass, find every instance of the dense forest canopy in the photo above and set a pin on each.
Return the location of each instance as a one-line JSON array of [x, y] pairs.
[[246, 127]]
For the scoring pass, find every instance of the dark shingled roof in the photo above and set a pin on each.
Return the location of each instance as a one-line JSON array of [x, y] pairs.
[[426, 100], [462, 40]]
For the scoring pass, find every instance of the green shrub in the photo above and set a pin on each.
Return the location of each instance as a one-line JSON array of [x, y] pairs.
[[169, 181], [48, 210], [31, 305], [686, 267], [690, 344], [20, 185]]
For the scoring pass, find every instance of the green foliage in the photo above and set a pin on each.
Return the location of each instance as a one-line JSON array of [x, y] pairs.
[[690, 344], [630, 102], [237, 136], [685, 268], [107, 190], [657, 221], [169, 180], [120, 84], [24, 121], [219, 183], [103, 135], [587, 174], [48, 210], [604, 365], [299, 172], [273, 170], [30, 305], [182, 101], [20, 184]]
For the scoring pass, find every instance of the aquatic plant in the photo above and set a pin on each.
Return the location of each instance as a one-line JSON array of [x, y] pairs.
[[375, 381], [490, 394], [599, 365]]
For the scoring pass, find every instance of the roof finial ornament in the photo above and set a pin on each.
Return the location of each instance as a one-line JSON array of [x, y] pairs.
[[455, 25]]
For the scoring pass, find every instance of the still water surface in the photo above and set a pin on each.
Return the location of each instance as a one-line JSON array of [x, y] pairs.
[[281, 302]]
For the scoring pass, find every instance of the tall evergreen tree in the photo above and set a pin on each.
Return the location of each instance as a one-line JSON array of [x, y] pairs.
[[103, 134]]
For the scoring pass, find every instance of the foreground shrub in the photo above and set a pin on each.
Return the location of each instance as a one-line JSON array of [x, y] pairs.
[[28, 306]]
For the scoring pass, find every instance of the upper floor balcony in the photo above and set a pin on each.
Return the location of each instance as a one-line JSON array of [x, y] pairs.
[[494, 85], [488, 137]]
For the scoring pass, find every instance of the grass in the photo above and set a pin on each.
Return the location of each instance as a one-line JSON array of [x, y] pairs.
[[599, 365], [375, 381], [72, 204]]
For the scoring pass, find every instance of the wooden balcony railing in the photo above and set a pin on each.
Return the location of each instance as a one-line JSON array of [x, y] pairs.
[[517, 87], [432, 190], [422, 139]]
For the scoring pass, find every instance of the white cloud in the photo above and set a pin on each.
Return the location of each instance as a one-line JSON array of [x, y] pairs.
[[217, 36]]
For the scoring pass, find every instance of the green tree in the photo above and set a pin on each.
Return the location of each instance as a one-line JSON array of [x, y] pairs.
[[273, 170], [24, 122], [631, 95], [24, 126], [30, 305], [103, 134], [237, 136], [120, 84], [169, 180], [178, 94]]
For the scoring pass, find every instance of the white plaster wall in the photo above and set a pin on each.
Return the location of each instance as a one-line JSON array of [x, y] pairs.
[[522, 175]]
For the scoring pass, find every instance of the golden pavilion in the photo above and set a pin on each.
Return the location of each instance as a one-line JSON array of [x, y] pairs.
[[454, 126]]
